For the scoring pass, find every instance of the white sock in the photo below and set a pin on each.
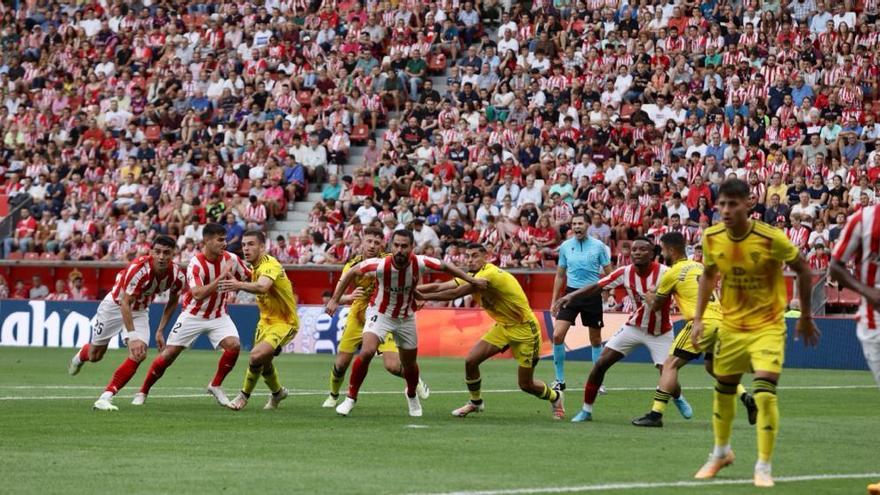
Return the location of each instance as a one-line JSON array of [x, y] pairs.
[[106, 395], [721, 451], [76, 360], [762, 466], [587, 408]]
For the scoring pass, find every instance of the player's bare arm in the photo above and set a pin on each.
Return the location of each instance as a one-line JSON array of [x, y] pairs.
[[352, 296], [559, 280], [451, 294], [847, 280], [457, 272], [261, 286], [655, 301], [137, 348], [708, 281], [204, 291], [805, 327], [346, 280], [170, 306]]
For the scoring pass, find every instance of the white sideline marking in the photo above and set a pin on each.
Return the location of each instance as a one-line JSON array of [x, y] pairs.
[[669, 484], [418, 427], [306, 392]]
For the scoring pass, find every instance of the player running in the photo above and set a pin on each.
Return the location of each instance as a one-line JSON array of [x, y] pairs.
[[681, 282], [860, 242], [278, 319], [391, 311], [748, 255], [582, 261], [516, 328], [374, 240], [126, 307], [644, 326], [204, 312]]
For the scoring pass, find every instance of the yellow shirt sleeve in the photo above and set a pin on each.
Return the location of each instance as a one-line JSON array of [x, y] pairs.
[[268, 269], [782, 249]]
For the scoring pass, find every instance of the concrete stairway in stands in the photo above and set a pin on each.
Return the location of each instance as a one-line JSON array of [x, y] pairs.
[[298, 213]]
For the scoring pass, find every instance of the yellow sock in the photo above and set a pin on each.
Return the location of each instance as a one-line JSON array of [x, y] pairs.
[[270, 376], [336, 379], [473, 385], [549, 394], [768, 417], [661, 399], [724, 410], [740, 390], [250, 379]]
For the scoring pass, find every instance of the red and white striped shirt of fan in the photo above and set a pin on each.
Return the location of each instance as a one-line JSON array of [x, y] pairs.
[[142, 284], [636, 285], [860, 243], [202, 271], [395, 293]]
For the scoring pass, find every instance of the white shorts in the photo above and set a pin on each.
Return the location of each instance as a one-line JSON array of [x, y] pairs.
[[107, 323], [403, 329], [870, 340], [187, 329], [628, 338]]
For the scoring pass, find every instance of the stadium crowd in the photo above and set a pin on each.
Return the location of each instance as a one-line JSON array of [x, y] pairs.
[[123, 120]]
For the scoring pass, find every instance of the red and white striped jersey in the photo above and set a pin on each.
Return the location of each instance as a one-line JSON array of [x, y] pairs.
[[395, 292], [637, 286], [202, 271], [860, 243], [142, 284]]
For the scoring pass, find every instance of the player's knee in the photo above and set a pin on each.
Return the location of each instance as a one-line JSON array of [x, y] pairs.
[[96, 354], [558, 338], [233, 347]]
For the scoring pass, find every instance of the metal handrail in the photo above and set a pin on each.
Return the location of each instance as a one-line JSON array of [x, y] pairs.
[[7, 224]]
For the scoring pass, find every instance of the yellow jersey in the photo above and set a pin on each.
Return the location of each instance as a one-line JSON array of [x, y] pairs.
[[753, 292], [368, 284], [504, 299], [279, 304], [682, 281]]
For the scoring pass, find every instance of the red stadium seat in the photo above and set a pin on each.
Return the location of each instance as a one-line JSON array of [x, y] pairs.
[[31, 256], [15, 255], [244, 188], [153, 133], [4, 205], [625, 111], [360, 134], [49, 256]]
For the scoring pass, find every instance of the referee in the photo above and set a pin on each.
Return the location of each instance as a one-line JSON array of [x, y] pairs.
[[582, 261]]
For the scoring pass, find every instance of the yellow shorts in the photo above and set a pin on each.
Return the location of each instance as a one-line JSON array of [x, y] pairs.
[[744, 352], [684, 348], [354, 334], [276, 334], [524, 341]]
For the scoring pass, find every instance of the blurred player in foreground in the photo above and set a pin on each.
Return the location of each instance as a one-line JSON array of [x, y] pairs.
[[391, 310], [278, 319], [516, 328], [748, 256], [126, 307], [681, 282]]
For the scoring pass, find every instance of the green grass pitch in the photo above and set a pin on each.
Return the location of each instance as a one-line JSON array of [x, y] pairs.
[[182, 442]]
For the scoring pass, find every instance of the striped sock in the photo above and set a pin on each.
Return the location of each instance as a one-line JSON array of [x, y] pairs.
[[473, 386], [336, 379], [768, 417], [661, 399]]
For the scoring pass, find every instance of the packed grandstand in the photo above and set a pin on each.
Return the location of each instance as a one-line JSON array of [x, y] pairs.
[[491, 122]]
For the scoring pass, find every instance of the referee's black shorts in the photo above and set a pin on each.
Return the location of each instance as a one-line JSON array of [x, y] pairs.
[[588, 307]]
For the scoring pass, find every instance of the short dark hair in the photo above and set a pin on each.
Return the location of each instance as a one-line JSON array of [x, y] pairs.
[[404, 233], [734, 188], [164, 240], [255, 233], [674, 240], [214, 229], [643, 238], [477, 246], [581, 215], [374, 231]]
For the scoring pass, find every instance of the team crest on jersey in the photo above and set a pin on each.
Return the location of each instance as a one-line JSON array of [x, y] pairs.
[[756, 257]]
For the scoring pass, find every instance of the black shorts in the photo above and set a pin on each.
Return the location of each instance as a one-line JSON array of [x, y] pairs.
[[589, 308]]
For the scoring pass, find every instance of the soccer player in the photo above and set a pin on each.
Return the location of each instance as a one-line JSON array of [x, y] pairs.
[[515, 328], [860, 242], [651, 329], [681, 282], [126, 307], [391, 311], [582, 260], [374, 240], [278, 319], [748, 255], [204, 312]]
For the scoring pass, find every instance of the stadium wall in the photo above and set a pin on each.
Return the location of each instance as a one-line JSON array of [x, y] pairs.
[[442, 332]]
